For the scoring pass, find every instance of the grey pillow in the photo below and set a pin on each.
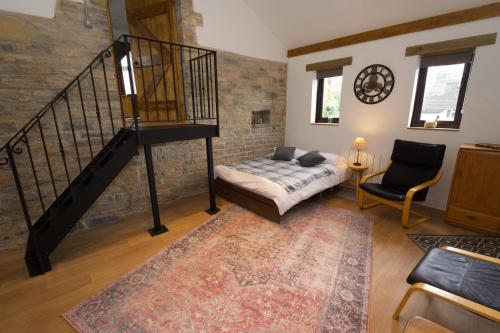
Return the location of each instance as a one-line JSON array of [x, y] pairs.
[[311, 159], [283, 153]]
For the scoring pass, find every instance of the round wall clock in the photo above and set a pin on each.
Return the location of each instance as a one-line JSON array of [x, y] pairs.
[[373, 84]]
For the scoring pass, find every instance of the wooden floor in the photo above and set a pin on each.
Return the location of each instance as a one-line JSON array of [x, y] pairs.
[[88, 261]]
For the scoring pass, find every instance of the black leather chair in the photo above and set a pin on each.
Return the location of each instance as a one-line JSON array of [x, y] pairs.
[[463, 278], [413, 169]]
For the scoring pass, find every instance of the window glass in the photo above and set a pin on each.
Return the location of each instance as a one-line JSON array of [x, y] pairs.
[[125, 74], [442, 88], [332, 87]]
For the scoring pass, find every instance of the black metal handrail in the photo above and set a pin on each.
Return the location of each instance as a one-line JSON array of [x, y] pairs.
[[191, 72], [65, 136]]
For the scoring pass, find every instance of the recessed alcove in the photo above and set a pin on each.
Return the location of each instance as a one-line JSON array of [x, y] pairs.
[[261, 117]]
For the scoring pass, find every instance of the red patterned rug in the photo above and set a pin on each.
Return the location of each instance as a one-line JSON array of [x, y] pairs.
[[241, 273]]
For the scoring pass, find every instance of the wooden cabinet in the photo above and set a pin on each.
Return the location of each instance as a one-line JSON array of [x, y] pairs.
[[474, 200]]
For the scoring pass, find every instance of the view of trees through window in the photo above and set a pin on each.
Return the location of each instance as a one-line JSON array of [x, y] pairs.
[[442, 87], [332, 87]]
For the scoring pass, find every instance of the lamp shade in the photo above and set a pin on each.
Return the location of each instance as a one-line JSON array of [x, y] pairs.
[[359, 143]]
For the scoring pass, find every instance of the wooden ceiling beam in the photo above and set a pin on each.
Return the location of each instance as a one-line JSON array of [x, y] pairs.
[[433, 22], [454, 45], [329, 65]]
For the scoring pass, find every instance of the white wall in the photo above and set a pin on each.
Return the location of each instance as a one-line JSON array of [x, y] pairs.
[[227, 25], [230, 25], [43, 8], [381, 123]]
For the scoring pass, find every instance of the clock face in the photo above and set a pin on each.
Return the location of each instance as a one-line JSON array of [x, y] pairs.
[[373, 84]]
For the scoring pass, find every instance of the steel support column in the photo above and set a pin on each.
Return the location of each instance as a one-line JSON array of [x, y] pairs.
[[211, 185], [158, 227]]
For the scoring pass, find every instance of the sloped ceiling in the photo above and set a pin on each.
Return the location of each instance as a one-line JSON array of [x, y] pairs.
[[300, 22]]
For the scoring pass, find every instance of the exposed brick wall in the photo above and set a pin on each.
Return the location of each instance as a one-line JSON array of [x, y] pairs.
[[38, 60], [39, 56]]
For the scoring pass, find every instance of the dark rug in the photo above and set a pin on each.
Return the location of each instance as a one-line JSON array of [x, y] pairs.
[[487, 245]]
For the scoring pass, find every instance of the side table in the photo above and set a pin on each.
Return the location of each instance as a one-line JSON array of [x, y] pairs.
[[356, 174]]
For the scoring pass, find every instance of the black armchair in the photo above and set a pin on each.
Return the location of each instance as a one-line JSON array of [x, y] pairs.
[[413, 169]]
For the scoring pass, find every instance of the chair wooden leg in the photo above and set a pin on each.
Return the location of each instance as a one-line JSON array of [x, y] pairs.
[[405, 218], [360, 198], [446, 296], [403, 302], [370, 205]]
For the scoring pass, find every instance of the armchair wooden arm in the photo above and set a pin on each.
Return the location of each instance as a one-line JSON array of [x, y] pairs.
[[405, 206], [411, 192], [409, 198], [371, 175], [444, 295], [471, 254]]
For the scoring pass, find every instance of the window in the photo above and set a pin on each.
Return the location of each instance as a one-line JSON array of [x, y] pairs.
[[329, 88], [441, 87], [125, 74]]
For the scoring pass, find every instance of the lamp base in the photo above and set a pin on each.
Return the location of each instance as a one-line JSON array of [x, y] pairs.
[[356, 164]]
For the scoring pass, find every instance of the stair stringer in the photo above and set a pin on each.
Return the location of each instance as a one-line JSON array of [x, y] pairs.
[[79, 196]]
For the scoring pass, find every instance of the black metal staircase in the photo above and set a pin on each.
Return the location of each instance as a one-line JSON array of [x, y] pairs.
[[64, 158]]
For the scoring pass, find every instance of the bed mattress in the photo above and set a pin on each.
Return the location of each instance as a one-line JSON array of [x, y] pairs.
[[269, 189]]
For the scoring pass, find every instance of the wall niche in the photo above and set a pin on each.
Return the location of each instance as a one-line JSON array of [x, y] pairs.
[[261, 117]]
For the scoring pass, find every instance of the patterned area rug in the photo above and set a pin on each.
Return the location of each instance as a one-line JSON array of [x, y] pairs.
[[241, 273], [489, 246]]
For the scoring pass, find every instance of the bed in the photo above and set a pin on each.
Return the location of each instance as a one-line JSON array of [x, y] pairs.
[[272, 199]]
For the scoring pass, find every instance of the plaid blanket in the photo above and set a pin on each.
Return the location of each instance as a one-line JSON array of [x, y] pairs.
[[289, 174]]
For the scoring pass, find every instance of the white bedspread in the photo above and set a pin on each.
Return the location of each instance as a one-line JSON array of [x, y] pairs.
[[276, 192]]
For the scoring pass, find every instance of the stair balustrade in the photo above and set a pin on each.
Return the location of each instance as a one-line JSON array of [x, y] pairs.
[[64, 157]]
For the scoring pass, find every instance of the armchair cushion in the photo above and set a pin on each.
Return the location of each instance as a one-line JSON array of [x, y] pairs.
[[382, 192], [470, 278], [401, 177], [418, 153]]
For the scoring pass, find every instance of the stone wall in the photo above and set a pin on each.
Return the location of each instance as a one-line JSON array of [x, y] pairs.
[[40, 60]]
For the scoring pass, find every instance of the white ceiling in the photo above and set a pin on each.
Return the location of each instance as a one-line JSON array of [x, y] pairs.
[[301, 22]]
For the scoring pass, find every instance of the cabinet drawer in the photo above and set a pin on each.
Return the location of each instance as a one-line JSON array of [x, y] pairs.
[[476, 221]]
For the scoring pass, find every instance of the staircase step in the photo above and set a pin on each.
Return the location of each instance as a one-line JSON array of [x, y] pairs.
[[72, 204]]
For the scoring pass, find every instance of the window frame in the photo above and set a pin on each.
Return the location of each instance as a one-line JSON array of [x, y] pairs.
[[415, 121], [318, 117]]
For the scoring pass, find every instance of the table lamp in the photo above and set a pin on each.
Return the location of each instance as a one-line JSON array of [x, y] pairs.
[[359, 143]]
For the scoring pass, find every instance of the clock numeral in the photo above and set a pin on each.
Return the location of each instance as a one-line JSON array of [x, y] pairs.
[[387, 75], [370, 100], [386, 91]]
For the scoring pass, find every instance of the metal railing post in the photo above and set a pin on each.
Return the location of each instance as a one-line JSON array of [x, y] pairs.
[[41, 267], [216, 93]]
